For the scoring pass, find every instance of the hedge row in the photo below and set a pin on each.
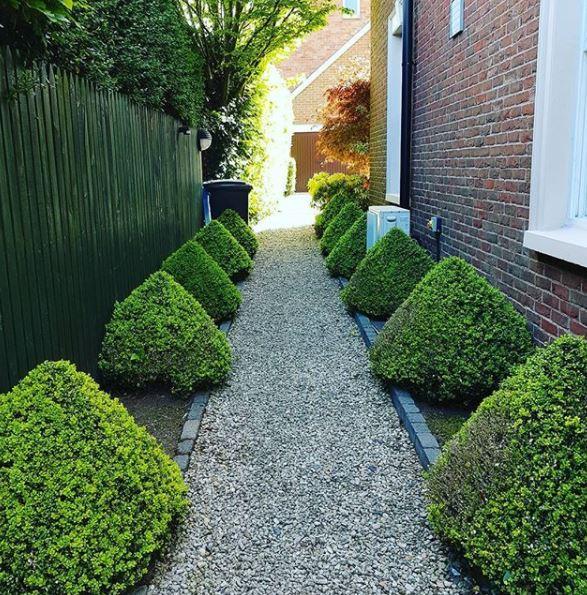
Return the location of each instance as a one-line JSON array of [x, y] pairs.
[[87, 497], [510, 489]]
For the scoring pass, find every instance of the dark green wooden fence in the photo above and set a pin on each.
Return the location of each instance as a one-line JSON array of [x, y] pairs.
[[94, 192]]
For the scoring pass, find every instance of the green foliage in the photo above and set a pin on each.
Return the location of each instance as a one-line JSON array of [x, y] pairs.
[[331, 210], [197, 272], [387, 275], [510, 490], [339, 226], [244, 235], [454, 339], [24, 23], [160, 333], [225, 250], [349, 250], [323, 187], [87, 497], [143, 49], [290, 186]]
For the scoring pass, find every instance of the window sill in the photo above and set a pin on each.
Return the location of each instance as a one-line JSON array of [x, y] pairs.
[[566, 243]]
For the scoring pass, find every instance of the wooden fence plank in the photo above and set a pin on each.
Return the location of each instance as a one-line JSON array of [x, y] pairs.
[[95, 192]]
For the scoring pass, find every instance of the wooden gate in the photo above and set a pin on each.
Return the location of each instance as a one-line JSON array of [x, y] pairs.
[[309, 160]]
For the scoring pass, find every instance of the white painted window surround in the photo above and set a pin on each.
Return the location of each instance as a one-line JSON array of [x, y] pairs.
[[558, 196], [355, 6], [394, 103]]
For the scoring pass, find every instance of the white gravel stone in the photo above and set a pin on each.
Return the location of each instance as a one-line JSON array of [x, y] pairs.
[[302, 480]]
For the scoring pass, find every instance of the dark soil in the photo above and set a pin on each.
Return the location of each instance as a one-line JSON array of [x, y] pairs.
[[159, 411]]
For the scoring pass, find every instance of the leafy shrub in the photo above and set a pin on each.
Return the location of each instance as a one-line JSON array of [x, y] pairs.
[[387, 275], [510, 489], [331, 210], [346, 120], [290, 186], [197, 272], [160, 333], [339, 225], [454, 339], [225, 250], [349, 250], [143, 49], [323, 187], [243, 234], [87, 496]]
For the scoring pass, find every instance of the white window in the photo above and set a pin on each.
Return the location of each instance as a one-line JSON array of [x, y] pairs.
[[353, 8], [558, 198]]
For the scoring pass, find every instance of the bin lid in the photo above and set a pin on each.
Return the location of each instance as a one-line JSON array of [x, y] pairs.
[[227, 184]]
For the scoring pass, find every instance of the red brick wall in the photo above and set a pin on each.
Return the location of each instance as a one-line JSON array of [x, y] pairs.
[[472, 149], [311, 101], [320, 45]]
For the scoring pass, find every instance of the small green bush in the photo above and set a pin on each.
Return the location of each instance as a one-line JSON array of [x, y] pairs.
[[510, 490], [454, 339], [349, 250], [323, 187], [197, 272], [220, 244], [87, 496], [290, 186], [339, 226], [387, 275], [331, 210], [243, 234], [160, 333]]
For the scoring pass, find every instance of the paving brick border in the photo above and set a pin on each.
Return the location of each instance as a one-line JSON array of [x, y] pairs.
[[425, 443], [191, 426]]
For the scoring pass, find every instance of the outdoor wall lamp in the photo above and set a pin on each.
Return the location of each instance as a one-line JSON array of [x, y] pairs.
[[184, 130], [204, 139]]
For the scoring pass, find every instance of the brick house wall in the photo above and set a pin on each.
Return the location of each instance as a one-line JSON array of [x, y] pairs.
[[472, 152], [315, 49], [310, 102]]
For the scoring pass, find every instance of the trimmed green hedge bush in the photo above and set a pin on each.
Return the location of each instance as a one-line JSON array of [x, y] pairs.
[[86, 495], [510, 490], [221, 245], [349, 250], [323, 187], [197, 272], [454, 339], [242, 233], [160, 333], [339, 226], [387, 275], [331, 210]]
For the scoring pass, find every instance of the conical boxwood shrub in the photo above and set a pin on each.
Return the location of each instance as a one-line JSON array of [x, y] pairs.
[[243, 234], [349, 250], [197, 272], [454, 339], [225, 250], [87, 496], [387, 275], [510, 489], [160, 333], [339, 226], [329, 212]]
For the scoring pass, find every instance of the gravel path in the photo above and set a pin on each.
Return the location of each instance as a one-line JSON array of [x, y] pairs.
[[302, 480]]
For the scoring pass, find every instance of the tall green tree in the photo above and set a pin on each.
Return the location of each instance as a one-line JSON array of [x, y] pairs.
[[237, 39]]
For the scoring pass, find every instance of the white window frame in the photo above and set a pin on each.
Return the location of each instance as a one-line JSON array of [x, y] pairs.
[[394, 104], [355, 15], [559, 160]]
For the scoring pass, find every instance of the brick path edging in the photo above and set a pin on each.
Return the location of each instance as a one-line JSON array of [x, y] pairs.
[[425, 443]]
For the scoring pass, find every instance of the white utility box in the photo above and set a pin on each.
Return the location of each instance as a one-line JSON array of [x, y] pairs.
[[381, 219]]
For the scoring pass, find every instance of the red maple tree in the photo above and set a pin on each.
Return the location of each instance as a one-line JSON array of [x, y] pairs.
[[345, 132]]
